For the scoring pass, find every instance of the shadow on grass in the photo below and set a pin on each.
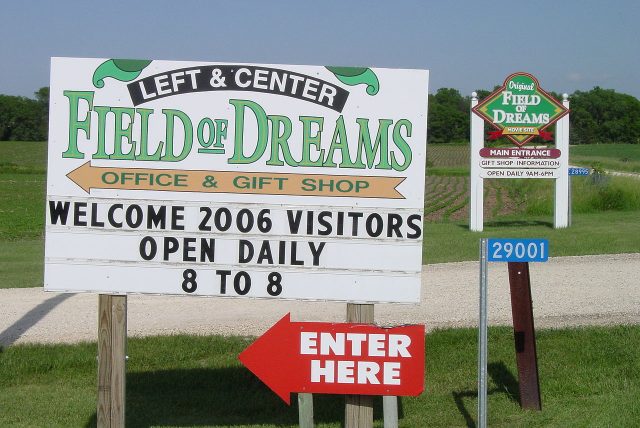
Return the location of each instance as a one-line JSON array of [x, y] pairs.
[[512, 223], [518, 223], [218, 397], [505, 383]]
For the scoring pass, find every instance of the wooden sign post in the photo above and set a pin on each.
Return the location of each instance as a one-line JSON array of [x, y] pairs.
[[358, 411], [112, 343]]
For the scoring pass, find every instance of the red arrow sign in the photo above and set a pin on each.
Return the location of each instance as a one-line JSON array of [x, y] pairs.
[[359, 359]]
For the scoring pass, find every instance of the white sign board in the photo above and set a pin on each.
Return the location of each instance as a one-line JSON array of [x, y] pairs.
[[519, 173], [275, 181], [519, 163]]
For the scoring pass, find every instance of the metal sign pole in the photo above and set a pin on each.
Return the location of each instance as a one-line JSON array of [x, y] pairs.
[[482, 338], [570, 202]]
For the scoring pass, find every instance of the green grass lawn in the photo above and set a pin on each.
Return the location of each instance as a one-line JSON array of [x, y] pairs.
[[610, 232], [615, 157], [21, 263], [588, 377], [22, 189], [27, 156]]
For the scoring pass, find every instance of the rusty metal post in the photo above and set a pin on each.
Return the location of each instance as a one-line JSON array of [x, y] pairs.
[[524, 335]]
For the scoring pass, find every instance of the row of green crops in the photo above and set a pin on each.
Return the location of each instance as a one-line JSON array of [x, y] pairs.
[[439, 155]]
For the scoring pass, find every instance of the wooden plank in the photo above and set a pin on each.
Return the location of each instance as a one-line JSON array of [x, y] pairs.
[[104, 361], [305, 410], [119, 347], [362, 314], [112, 339], [524, 336], [390, 411], [359, 408]]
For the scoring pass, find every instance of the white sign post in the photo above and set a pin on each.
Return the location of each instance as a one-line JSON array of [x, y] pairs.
[[236, 180], [562, 205], [476, 218]]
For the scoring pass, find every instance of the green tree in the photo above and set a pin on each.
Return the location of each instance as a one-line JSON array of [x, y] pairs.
[[448, 117], [24, 119], [604, 116]]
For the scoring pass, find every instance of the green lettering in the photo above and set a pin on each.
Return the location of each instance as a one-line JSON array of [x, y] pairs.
[[402, 144], [262, 131], [309, 140], [188, 135], [75, 124], [339, 142], [280, 141], [144, 137], [123, 133], [101, 151], [381, 144]]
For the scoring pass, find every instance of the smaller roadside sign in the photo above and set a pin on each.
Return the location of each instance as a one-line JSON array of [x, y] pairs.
[[518, 250], [338, 358], [579, 171]]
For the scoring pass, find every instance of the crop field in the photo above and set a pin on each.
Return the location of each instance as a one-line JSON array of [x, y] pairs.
[[447, 199], [447, 187], [448, 156]]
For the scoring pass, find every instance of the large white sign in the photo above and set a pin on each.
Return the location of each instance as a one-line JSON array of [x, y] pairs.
[[275, 181]]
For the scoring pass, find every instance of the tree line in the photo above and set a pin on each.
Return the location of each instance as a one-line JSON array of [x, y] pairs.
[[597, 116], [24, 119]]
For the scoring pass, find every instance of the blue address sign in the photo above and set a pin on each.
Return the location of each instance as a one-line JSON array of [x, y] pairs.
[[518, 250], [579, 171]]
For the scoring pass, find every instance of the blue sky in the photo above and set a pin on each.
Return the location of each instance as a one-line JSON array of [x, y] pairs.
[[567, 44]]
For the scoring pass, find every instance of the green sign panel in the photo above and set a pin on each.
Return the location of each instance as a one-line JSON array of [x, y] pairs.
[[520, 110]]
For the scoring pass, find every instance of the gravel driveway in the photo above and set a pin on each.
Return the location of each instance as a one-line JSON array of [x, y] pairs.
[[567, 291]]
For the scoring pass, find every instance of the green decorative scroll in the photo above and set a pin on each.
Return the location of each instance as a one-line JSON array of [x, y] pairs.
[[357, 76], [124, 70]]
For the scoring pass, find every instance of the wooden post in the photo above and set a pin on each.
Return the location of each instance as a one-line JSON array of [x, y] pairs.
[[390, 411], [359, 408], [524, 335], [305, 410], [112, 340]]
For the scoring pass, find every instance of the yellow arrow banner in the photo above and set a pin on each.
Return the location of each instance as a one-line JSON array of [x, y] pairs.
[[170, 180]]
